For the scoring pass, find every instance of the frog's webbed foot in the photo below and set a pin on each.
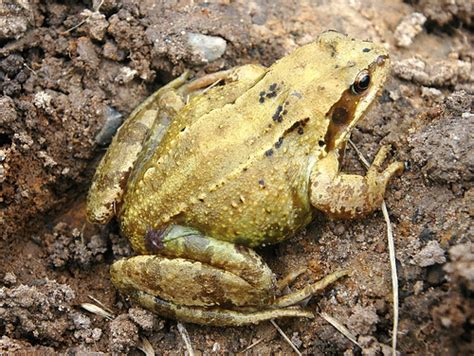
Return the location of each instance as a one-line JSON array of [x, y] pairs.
[[202, 280], [347, 195]]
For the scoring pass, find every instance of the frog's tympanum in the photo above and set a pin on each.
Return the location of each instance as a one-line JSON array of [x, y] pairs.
[[201, 173]]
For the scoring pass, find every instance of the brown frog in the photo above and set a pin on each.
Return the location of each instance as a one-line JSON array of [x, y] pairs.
[[200, 173]]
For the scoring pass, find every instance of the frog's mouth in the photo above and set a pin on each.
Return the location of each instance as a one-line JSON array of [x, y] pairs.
[[351, 107]]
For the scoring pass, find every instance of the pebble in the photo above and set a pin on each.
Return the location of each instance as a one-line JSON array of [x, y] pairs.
[[113, 119], [208, 48]]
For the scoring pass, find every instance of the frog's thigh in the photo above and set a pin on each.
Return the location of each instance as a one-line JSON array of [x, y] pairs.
[[115, 166], [347, 195], [193, 269]]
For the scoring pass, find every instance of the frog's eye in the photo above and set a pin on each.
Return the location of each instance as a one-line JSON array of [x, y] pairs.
[[361, 83]]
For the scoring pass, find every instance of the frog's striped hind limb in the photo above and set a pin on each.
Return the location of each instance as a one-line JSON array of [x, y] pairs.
[[198, 279]]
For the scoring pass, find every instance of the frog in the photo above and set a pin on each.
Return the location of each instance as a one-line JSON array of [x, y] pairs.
[[206, 170]]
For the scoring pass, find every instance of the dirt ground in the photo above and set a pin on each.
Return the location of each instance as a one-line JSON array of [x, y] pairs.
[[71, 71]]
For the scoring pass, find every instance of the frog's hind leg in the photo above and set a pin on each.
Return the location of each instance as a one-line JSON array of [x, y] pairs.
[[188, 268], [154, 114], [202, 280]]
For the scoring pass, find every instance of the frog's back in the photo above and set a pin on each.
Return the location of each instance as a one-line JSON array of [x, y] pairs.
[[240, 172]]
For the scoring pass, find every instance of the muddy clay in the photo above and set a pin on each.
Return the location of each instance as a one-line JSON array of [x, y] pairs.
[[70, 72]]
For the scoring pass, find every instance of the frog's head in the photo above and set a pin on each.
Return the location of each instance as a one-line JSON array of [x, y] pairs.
[[364, 67], [338, 77]]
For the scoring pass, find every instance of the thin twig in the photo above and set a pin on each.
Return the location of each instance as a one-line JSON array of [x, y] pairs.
[[341, 328], [30, 69], [252, 345], [285, 337], [185, 336], [393, 264], [360, 155]]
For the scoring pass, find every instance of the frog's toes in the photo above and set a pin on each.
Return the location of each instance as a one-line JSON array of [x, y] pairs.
[[381, 156]]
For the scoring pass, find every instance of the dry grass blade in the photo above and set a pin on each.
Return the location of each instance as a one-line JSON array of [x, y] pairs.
[[101, 304], [146, 347], [94, 309], [393, 264], [393, 267], [286, 337], [341, 328], [251, 345], [185, 336]]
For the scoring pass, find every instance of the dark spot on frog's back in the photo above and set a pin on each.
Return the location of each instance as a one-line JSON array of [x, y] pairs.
[[279, 142], [269, 152], [366, 50], [277, 116], [272, 87]]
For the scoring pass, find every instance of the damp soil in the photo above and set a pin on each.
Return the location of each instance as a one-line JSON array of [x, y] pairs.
[[70, 72]]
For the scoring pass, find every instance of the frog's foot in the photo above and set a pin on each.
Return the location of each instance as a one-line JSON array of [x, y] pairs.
[[308, 291], [213, 316], [347, 195]]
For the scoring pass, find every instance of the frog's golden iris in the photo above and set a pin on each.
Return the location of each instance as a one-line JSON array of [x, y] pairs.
[[199, 174]]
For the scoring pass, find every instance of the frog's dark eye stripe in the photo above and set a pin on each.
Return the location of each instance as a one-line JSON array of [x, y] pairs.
[[361, 83]]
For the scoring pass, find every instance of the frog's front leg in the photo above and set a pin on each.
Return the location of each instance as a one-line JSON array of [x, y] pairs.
[[202, 280], [347, 195]]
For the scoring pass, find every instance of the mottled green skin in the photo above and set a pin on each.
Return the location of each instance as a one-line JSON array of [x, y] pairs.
[[243, 163]]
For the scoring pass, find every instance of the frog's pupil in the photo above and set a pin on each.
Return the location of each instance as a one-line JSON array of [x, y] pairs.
[[364, 82]]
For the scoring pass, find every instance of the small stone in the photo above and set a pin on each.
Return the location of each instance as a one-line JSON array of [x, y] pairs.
[[296, 340], [42, 100], [9, 278], [113, 119], [418, 287], [208, 48], [431, 93], [126, 75], [81, 321], [431, 254]]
